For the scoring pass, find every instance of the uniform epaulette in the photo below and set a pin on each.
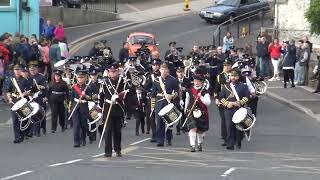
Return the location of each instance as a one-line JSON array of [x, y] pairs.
[[243, 101]]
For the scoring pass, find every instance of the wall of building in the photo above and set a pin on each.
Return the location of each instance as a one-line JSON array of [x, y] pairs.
[[75, 17], [291, 21]]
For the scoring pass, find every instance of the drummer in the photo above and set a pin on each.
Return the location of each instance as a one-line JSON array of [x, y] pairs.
[[231, 103], [39, 86], [14, 96], [160, 99], [94, 87]]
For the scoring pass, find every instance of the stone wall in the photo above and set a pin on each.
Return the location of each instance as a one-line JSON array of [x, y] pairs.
[[74, 17], [291, 21]]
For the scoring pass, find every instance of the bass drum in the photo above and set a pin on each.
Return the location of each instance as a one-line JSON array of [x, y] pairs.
[[24, 111]]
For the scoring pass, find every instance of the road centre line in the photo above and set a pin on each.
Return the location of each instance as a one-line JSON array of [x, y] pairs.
[[68, 162], [16, 175], [143, 140], [229, 171]]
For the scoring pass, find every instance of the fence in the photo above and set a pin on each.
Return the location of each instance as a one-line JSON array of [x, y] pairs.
[[244, 28], [100, 5]]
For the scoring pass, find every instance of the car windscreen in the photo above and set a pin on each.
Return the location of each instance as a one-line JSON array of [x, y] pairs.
[[228, 2], [141, 39]]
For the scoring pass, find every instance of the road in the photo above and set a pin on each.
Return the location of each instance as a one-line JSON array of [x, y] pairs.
[[284, 143]]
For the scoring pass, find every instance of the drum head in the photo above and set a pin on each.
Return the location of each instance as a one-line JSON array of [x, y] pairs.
[[165, 109], [59, 63], [19, 104], [239, 115]]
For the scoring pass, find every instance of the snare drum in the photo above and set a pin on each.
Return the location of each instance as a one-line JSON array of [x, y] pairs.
[[170, 114], [23, 109], [39, 113], [243, 119], [94, 115]]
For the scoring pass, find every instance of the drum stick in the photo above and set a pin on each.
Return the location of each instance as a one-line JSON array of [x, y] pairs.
[[74, 109], [108, 114], [193, 105], [14, 81]]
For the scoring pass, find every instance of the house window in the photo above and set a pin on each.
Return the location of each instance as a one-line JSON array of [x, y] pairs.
[[5, 3]]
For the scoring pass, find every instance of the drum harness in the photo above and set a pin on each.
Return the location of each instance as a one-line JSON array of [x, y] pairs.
[[248, 136]]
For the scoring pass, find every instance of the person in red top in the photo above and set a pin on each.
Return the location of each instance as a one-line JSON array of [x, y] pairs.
[[59, 32], [275, 53]]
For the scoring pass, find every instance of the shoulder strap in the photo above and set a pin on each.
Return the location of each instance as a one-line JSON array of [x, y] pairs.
[[234, 91]]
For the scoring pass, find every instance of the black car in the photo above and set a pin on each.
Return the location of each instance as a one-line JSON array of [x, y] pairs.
[[71, 3], [228, 9]]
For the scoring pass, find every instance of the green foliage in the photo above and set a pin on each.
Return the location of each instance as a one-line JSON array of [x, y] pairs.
[[313, 16]]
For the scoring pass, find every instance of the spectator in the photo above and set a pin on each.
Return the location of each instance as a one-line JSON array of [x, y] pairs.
[[64, 48], [275, 53], [248, 49], [22, 51], [59, 32], [289, 51], [95, 50], [227, 42], [302, 65], [263, 57], [54, 52], [48, 30], [44, 50], [124, 53], [35, 53], [317, 73], [16, 40]]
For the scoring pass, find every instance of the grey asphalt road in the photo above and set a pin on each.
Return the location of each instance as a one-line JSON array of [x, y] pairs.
[[285, 143]]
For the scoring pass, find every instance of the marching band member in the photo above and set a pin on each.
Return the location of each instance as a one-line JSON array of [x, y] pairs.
[[199, 100], [58, 92], [233, 95], [184, 84], [154, 74], [222, 79], [14, 95], [26, 74], [139, 103], [39, 85], [80, 95], [111, 94], [94, 88], [164, 90]]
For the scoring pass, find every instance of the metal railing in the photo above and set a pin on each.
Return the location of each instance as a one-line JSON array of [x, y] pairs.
[[100, 5], [243, 25]]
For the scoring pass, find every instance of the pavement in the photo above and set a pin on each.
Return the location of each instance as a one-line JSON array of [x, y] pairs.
[[285, 142]]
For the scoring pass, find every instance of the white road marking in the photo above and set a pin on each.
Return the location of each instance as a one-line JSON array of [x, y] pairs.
[[68, 162], [16, 175], [133, 7], [229, 171], [124, 151], [143, 140], [98, 155]]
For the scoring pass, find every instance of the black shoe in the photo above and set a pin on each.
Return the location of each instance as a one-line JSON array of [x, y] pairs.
[[169, 143], [153, 140], [193, 149], [107, 155], [119, 154], [224, 144], [137, 133], [200, 147], [76, 145], [178, 133], [17, 141], [293, 86], [148, 132], [53, 131], [284, 86], [239, 146], [230, 148], [142, 130], [84, 143], [160, 145]]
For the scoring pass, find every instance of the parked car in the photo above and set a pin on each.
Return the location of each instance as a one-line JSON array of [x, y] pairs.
[[71, 3], [225, 10], [136, 39]]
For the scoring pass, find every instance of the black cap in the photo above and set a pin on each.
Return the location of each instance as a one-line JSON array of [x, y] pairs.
[[227, 63], [198, 74], [156, 61], [234, 73], [113, 66], [17, 67], [25, 69], [58, 72], [93, 72], [172, 43], [180, 68]]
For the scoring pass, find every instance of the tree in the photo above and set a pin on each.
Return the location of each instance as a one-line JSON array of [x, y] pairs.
[[312, 15]]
